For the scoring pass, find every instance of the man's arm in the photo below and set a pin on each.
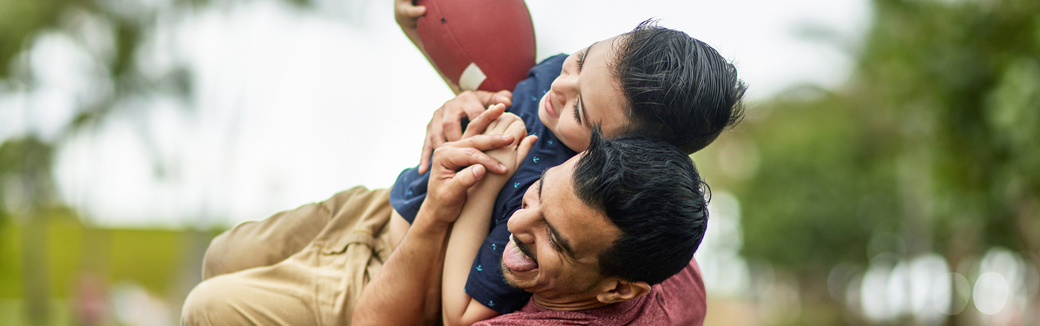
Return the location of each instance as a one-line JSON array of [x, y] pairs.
[[472, 226], [407, 285]]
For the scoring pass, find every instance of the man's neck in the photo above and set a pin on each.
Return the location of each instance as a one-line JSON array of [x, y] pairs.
[[567, 306]]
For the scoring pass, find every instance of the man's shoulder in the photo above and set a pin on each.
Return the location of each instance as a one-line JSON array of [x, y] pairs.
[[680, 300]]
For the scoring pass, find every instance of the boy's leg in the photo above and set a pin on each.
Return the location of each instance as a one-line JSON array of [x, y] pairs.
[[318, 285]]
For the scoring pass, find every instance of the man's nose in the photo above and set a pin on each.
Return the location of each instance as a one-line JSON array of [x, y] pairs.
[[520, 223]]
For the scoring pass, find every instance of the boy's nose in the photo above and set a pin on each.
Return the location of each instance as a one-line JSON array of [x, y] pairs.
[[564, 87]]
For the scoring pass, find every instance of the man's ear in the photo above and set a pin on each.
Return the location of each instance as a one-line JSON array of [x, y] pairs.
[[614, 290]]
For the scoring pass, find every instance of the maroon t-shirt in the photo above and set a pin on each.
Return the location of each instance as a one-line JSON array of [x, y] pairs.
[[680, 300]]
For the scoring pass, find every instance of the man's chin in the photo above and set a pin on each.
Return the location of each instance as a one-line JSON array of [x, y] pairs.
[[516, 279]]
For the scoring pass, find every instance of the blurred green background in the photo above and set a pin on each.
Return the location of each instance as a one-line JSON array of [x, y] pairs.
[[908, 195]]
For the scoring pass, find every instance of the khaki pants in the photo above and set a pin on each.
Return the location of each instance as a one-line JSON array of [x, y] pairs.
[[306, 266]]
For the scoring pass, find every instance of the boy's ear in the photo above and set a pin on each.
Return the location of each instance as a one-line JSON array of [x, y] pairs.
[[614, 290]]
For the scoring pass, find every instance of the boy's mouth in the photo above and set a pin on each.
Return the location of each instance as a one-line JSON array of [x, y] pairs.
[[549, 106]]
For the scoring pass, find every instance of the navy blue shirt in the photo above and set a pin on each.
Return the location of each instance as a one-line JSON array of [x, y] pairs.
[[486, 283]]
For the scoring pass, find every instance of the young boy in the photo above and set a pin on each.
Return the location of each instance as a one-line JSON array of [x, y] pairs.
[[651, 82]]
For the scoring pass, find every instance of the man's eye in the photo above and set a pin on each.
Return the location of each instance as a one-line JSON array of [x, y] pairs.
[[552, 242]]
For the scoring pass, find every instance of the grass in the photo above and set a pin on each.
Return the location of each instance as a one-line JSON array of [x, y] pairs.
[[161, 262]]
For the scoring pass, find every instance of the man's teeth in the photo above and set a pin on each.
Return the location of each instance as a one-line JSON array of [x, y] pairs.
[[517, 247]]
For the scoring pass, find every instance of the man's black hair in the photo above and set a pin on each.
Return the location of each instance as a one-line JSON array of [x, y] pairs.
[[653, 193], [679, 89]]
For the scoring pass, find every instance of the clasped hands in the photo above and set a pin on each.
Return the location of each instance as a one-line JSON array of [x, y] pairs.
[[494, 142]]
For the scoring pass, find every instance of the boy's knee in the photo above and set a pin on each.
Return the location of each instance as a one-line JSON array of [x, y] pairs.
[[216, 260]]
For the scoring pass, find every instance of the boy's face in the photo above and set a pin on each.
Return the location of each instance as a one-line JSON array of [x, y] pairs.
[[585, 94]]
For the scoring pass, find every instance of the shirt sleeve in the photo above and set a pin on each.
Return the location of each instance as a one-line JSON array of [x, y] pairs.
[[408, 192], [486, 283]]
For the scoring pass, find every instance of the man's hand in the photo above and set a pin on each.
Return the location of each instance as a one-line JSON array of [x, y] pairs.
[[446, 192], [494, 122], [446, 123]]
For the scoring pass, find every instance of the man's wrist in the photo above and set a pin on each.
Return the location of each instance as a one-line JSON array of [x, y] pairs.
[[430, 219]]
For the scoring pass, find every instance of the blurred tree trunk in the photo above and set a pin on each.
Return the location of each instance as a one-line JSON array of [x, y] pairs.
[[34, 189], [34, 262]]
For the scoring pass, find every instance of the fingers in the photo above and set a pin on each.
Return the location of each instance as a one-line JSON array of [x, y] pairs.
[[450, 124], [516, 128], [508, 124], [503, 97], [471, 150], [415, 11], [468, 103], [407, 14], [434, 139], [480, 123], [525, 147], [489, 98], [473, 111], [424, 160], [432, 142], [407, 9], [469, 176]]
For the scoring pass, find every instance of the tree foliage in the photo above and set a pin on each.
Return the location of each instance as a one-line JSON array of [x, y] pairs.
[[113, 34], [934, 139]]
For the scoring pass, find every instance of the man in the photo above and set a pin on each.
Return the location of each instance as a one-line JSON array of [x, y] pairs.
[[320, 284], [593, 237]]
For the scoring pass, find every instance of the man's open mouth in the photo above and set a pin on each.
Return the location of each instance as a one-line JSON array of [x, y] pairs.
[[518, 257]]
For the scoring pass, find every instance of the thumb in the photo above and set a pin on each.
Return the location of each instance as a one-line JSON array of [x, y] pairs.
[[469, 176], [525, 147]]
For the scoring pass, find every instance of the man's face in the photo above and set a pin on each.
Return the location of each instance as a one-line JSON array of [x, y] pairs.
[[585, 94], [556, 240]]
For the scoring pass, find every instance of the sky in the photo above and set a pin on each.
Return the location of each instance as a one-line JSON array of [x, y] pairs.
[[294, 105]]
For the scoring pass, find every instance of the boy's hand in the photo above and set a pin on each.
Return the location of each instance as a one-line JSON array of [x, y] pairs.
[[495, 121], [505, 124], [407, 15], [446, 124], [446, 192]]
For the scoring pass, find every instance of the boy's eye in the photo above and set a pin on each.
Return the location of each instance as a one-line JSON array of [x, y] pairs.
[[581, 59], [577, 115]]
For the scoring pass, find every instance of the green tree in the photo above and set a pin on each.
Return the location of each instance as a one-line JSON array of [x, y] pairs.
[[26, 159], [933, 139]]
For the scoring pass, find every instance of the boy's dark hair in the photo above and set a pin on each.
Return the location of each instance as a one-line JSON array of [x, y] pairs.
[[652, 192], [679, 89]]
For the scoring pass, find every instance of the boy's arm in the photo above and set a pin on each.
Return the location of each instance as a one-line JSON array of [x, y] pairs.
[[471, 228], [465, 240], [409, 283], [407, 16]]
